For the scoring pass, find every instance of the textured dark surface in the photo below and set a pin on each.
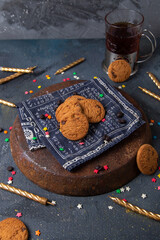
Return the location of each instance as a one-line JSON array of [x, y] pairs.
[[65, 220], [20, 19]]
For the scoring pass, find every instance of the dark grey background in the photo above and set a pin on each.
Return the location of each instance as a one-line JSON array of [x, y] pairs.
[[33, 19]]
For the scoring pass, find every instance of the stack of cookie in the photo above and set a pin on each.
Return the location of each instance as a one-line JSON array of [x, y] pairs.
[[75, 114]]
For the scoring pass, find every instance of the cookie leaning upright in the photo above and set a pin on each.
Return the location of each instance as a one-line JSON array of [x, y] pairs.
[[119, 70], [13, 228], [147, 159]]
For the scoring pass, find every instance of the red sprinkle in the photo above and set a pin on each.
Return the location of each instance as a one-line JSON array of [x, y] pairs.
[[67, 79], [105, 167], [81, 143], [47, 133], [34, 80], [10, 128], [154, 179], [10, 178], [96, 171], [124, 199], [103, 120], [46, 115], [64, 80], [13, 172]]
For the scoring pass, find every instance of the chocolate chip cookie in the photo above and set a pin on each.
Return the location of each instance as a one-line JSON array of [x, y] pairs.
[[119, 70], [75, 97], [93, 110], [74, 126], [13, 228], [71, 106], [147, 159]]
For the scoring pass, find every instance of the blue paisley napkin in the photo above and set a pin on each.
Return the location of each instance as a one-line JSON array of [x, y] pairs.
[[71, 154]]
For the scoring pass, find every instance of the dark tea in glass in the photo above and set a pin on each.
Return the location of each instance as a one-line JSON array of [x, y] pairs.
[[123, 38]]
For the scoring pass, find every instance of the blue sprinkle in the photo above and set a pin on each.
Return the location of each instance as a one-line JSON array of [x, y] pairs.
[[154, 137], [158, 123]]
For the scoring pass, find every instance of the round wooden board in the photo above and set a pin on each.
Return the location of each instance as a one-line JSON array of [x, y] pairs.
[[43, 169]]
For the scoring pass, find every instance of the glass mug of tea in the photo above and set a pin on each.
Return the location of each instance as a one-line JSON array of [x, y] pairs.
[[123, 34]]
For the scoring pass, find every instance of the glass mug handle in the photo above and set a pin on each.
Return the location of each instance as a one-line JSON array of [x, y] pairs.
[[153, 45]]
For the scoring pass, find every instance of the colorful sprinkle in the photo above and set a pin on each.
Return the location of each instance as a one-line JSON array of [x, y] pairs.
[[154, 179], [128, 189], [49, 117], [26, 92], [31, 91], [143, 195], [37, 233], [64, 80], [158, 175], [81, 143], [67, 79], [124, 199], [118, 191], [105, 167], [101, 95], [5, 131], [46, 115], [10, 128], [10, 182], [6, 140], [34, 80], [61, 149], [74, 73], [13, 172], [79, 206], [39, 86], [34, 138], [19, 214], [96, 171], [158, 123], [103, 120], [123, 86], [158, 188], [95, 77], [122, 189], [10, 178], [154, 137], [152, 121], [110, 207], [45, 128]]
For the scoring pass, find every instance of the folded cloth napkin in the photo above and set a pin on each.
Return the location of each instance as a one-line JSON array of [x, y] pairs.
[[71, 154]]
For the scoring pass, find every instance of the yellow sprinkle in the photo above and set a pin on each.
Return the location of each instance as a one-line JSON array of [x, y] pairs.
[[31, 91], [95, 77], [39, 86], [60, 130], [123, 86], [45, 128], [158, 175], [48, 77]]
